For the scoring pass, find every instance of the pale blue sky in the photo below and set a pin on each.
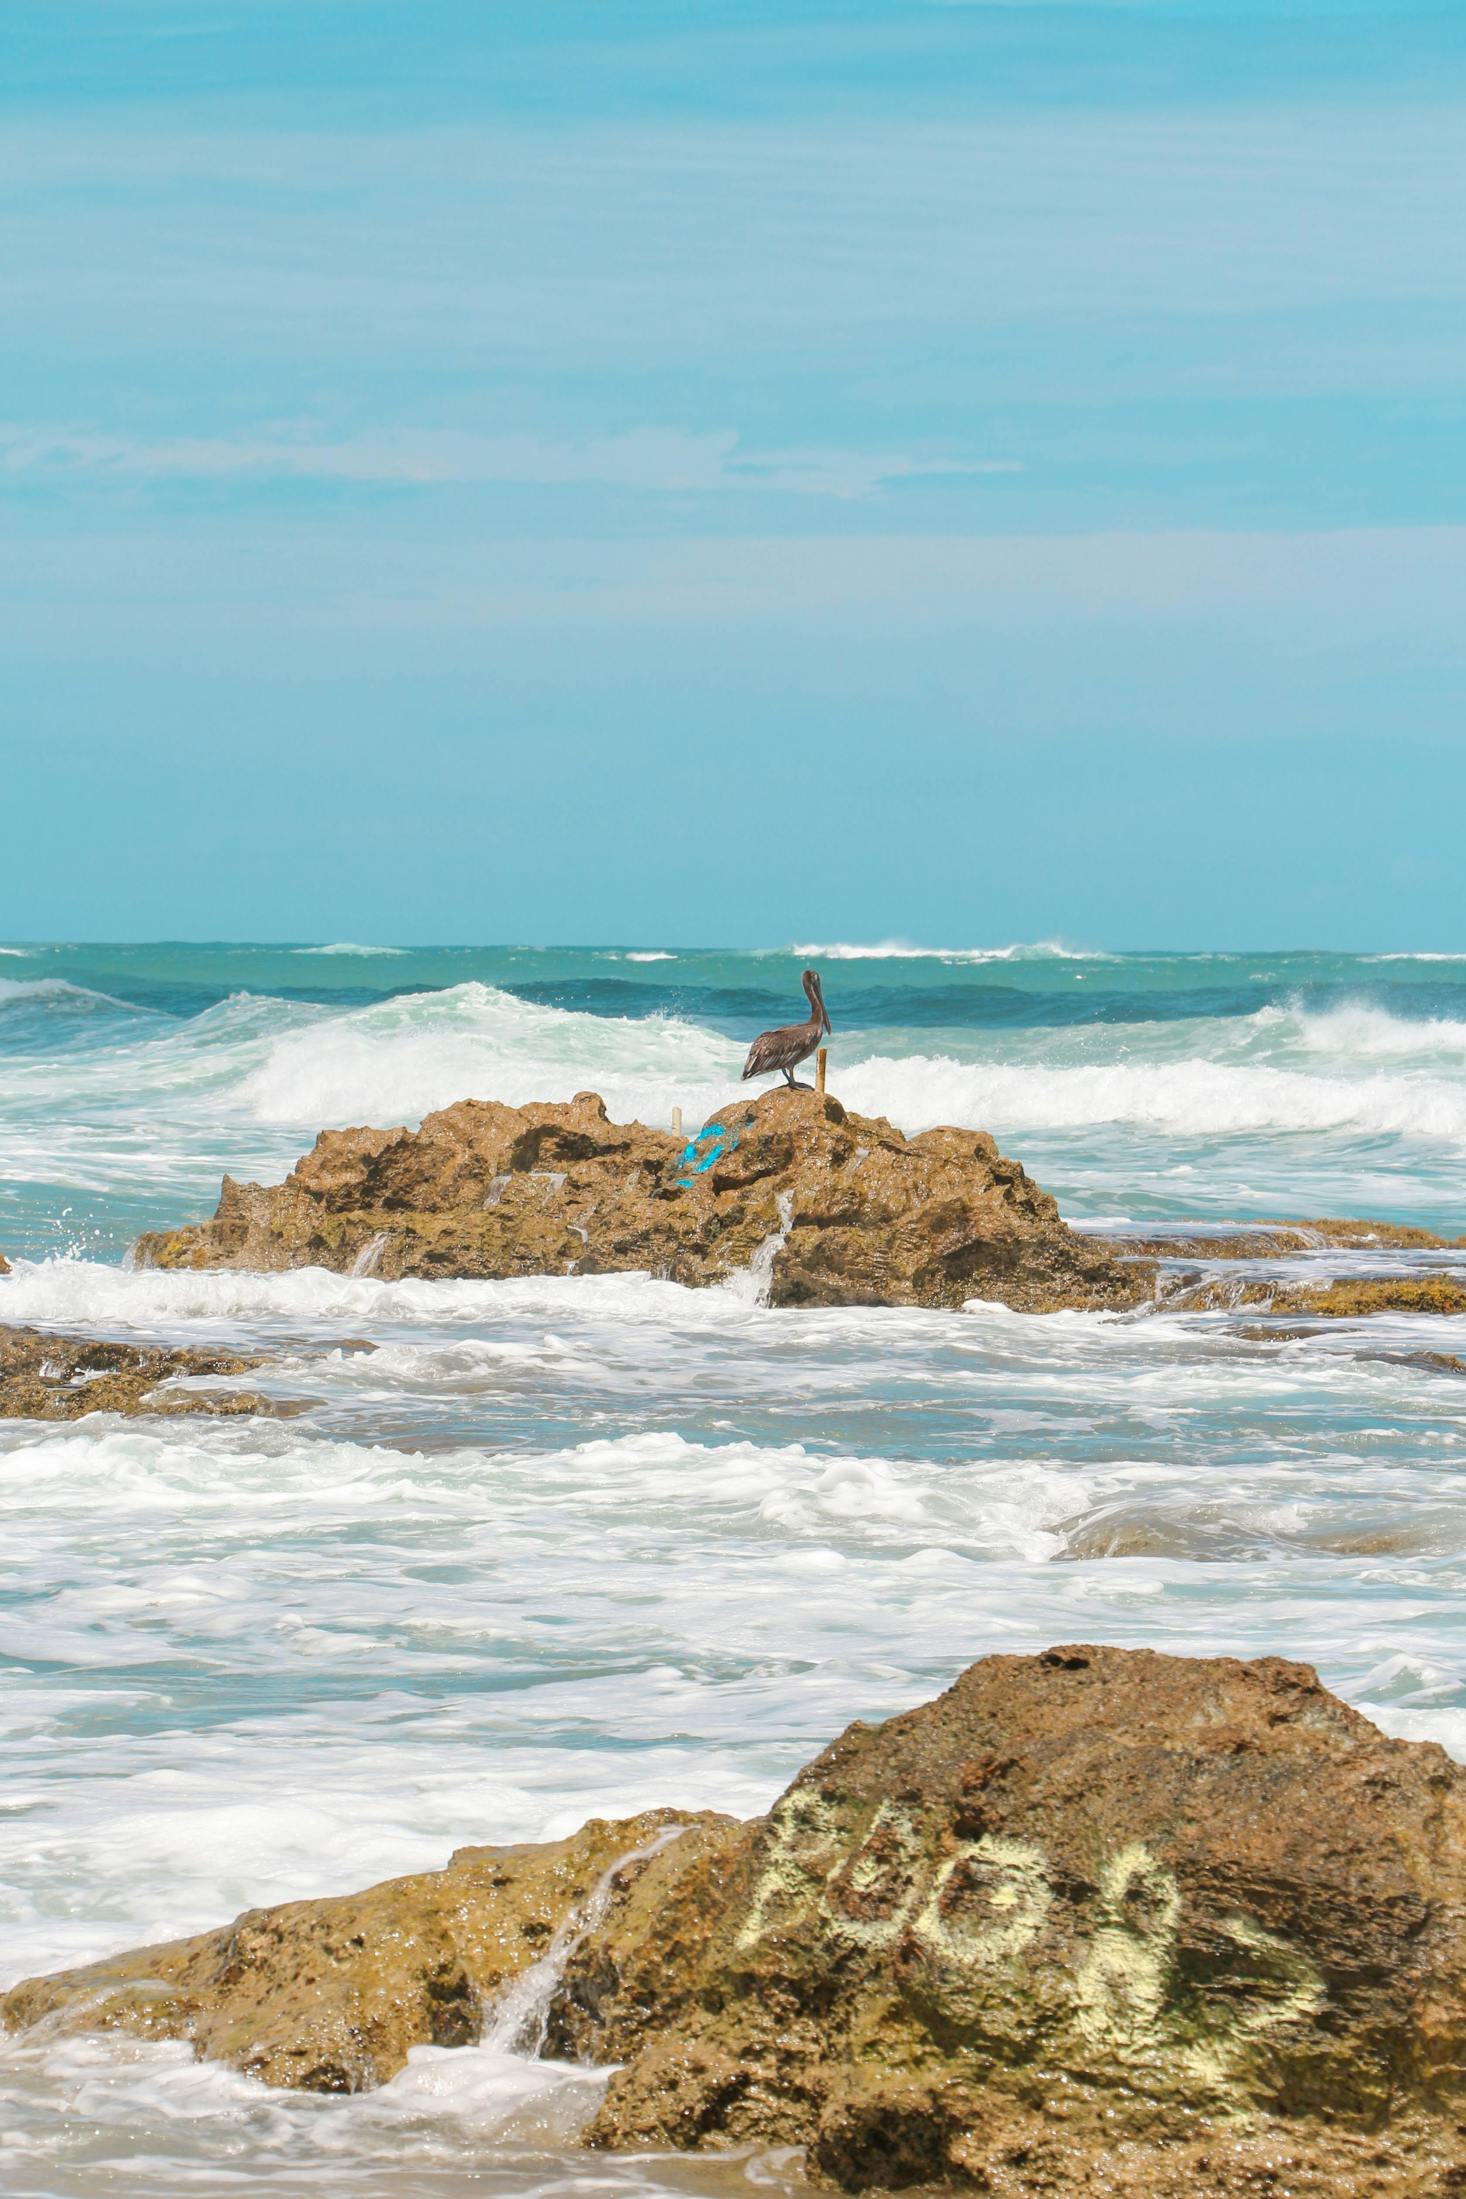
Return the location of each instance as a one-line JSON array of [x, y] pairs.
[[733, 472]]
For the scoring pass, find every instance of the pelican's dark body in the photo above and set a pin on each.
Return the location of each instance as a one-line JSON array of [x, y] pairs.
[[793, 1042]]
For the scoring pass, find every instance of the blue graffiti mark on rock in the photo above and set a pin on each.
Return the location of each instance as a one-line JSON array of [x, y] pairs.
[[699, 1153]]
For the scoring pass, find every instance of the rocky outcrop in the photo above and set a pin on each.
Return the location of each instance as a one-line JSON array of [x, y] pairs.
[[328, 1996], [1095, 1921], [814, 1205], [45, 1377]]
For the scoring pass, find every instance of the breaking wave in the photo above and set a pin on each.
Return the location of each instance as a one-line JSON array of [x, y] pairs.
[[347, 946], [1196, 1098], [896, 950], [253, 1060], [401, 1058], [1277, 1070], [14, 990]]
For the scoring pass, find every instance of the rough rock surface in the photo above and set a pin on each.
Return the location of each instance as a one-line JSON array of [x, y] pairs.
[[818, 1206], [328, 1996], [1096, 1921], [44, 1377]]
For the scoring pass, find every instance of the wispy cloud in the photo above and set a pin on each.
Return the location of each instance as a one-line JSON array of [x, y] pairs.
[[668, 461]]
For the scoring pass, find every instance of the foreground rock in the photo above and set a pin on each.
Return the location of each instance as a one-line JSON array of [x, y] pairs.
[[814, 1205], [44, 1377], [1097, 1921]]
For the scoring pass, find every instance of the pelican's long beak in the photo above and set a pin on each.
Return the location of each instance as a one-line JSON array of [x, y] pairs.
[[824, 1012]]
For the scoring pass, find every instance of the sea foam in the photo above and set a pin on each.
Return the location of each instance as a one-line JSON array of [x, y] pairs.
[[896, 950], [347, 946]]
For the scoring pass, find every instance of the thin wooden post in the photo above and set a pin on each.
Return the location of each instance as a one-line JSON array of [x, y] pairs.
[[676, 1122], [819, 1071]]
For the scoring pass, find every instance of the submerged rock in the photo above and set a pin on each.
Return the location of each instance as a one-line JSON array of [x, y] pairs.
[[1283, 1240], [1348, 1298], [811, 1204], [1353, 1298], [45, 1377], [1092, 1921]]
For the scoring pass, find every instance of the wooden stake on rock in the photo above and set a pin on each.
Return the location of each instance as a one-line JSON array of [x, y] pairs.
[[819, 1071]]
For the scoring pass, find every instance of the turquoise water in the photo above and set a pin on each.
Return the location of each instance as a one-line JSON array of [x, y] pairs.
[[590, 1544]]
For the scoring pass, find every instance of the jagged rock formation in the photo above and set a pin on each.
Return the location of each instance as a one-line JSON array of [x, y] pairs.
[[45, 1377], [822, 1207], [1096, 1921]]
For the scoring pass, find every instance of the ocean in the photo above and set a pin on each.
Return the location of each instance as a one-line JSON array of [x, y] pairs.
[[585, 1545]]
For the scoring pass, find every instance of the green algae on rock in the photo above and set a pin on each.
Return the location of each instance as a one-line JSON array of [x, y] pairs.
[[812, 1204], [1094, 1921]]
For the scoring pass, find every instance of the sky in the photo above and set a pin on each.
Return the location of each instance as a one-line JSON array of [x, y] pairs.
[[708, 471]]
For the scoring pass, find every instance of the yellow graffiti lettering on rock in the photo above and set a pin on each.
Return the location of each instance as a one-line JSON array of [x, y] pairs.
[[803, 1830], [871, 1899], [1285, 1987], [987, 1902], [1120, 1988]]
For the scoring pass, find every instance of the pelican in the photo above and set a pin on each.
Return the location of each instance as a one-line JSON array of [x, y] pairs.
[[795, 1042]]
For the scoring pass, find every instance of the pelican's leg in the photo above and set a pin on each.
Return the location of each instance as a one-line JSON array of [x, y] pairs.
[[789, 1080]]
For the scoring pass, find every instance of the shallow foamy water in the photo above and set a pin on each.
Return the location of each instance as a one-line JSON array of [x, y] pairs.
[[579, 1547]]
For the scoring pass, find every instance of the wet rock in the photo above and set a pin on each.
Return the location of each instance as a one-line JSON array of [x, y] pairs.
[[1095, 1921], [1281, 1240], [1350, 1298], [328, 1996], [815, 1206], [44, 1377]]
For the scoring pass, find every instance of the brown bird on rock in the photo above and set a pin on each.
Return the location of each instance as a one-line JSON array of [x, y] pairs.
[[794, 1042]]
